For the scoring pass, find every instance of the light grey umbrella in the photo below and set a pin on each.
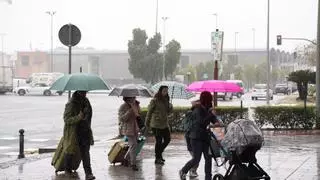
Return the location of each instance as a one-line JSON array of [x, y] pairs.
[[176, 90], [131, 90]]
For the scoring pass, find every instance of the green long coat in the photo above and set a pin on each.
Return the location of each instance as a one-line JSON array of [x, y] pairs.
[[71, 119]]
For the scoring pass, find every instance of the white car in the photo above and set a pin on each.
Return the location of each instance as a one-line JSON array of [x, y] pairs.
[[225, 96], [260, 91], [36, 89]]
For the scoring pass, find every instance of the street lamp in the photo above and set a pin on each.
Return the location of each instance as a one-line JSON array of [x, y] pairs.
[[51, 13], [157, 7], [164, 47], [318, 68], [254, 38], [268, 54], [235, 46], [2, 59]]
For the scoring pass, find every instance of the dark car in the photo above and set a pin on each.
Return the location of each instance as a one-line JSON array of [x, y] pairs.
[[282, 88]]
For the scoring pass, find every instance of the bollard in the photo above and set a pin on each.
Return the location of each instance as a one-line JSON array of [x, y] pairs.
[[21, 144]]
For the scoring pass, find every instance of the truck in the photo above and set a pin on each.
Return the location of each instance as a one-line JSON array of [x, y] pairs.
[[6, 82]]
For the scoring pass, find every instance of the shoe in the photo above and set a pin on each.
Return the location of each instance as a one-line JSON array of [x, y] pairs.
[[125, 163], [90, 177], [134, 168], [159, 161], [69, 174], [193, 173], [161, 158], [182, 175]]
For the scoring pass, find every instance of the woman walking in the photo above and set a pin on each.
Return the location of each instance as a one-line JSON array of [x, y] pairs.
[[202, 115], [128, 116], [157, 120]]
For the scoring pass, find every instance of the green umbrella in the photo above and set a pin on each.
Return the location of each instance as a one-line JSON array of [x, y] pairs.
[[80, 82], [176, 90]]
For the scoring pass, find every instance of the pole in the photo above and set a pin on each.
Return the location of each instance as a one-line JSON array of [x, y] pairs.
[[254, 38], [70, 40], [21, 144], [318, 67], [2, 61], [157, 7], [215, 77], [268, 55], [216, 15], [164, 47], [235, 46], [51, 13]]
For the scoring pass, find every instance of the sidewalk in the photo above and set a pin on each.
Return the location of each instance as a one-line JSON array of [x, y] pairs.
[[282, 157]]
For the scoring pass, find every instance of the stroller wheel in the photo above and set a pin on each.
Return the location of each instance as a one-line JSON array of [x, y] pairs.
[[218, 177]]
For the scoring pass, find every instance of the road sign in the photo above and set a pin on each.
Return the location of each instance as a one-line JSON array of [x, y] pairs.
[[69, 35], [217, 44]]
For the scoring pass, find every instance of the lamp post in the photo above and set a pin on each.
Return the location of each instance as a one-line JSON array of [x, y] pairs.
[[254, 38], [268, 54], [164, 47], [318, 68], [235, 46], [51, 13], [157, 7]]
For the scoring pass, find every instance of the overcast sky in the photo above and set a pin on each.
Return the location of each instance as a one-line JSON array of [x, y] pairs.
[[108, 24]]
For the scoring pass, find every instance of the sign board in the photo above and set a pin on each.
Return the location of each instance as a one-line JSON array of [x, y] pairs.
[[69, 35], [217, 45]]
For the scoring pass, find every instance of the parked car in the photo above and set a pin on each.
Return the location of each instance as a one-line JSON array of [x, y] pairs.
[[36, 89], [225, 96], [239, 83], [260, 91], [283, 88]]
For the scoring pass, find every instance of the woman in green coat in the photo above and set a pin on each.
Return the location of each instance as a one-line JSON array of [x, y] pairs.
[[157, 119]]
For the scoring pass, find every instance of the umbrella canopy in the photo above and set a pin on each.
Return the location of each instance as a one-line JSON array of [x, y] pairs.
[[214, 86], [176, 90], [80, 82], [131, 90]]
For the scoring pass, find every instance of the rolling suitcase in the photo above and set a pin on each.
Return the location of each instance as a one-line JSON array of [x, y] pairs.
[[117, 152], [58, 158]]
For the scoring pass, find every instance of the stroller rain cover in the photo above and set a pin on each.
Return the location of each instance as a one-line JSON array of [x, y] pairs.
[[242, 133]]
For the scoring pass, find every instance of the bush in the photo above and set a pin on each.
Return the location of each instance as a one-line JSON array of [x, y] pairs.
[[285, 117], [227, 115]]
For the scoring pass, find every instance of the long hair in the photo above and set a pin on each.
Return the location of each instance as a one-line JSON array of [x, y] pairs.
[[206, 99], [159, 96]]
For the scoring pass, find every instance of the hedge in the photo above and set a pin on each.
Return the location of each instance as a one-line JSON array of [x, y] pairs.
[[288, 117], [227, 115]]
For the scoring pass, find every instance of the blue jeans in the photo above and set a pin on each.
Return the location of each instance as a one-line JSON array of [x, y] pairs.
[[199, 147]]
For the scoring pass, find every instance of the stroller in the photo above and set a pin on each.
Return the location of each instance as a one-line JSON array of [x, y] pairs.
[[239, 146]]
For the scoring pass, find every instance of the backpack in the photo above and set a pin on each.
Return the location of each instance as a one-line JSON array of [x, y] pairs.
[[188, 121]]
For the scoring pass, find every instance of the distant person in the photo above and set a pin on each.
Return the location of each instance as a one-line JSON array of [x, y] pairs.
[[157, 119], [129, 116], [203, 115], [77, 132]]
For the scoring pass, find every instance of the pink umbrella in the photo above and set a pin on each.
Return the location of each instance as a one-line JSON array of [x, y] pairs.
[[214, 86]]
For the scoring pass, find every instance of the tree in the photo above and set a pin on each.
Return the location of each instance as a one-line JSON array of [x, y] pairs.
[[145, 61], [172, 57], [308, 53], [205, 69], [302, 78], [137, 49]]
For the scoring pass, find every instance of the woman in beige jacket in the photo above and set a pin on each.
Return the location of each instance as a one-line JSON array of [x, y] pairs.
[[128, 114]]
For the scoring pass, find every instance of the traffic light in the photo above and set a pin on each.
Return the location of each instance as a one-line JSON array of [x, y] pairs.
[[279, 40]]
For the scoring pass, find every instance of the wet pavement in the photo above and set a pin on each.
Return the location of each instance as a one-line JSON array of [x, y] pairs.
[[294, 156]]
